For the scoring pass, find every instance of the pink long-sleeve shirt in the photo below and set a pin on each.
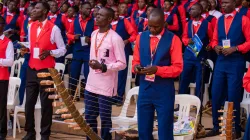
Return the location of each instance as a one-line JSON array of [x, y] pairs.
[[112, 53]]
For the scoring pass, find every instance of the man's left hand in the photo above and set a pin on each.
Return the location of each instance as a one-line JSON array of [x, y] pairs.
[[149, 70], [228, 51], [87, 40], [126, 42], [44, 54], [94, 64]]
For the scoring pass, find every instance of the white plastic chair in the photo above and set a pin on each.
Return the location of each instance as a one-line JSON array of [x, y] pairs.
[[192, 86], [246, 102], [13, 98], [129, 76], [185, 102], [69, 56], [20, 62], [14, 68], [37, 117], [60, 67], [122, 119]]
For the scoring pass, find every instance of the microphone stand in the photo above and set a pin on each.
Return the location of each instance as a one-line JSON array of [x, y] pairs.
[[200, 129]]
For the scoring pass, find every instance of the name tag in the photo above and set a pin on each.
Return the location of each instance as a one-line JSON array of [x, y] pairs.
[[83, 41], [150, 78], [36, 52], [226, 43]]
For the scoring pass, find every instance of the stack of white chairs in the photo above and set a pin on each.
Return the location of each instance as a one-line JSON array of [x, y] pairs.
[[246, 102]]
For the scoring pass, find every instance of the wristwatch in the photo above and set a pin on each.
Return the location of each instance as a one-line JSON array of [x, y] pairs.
[[237, 49], [51, 53]]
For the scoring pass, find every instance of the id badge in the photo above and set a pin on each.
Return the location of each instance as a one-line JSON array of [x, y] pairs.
[[36, 52], [150, 78], [83, 41], [226, 43]]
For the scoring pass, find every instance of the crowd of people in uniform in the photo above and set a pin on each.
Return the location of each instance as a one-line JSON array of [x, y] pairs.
[[101, 35]]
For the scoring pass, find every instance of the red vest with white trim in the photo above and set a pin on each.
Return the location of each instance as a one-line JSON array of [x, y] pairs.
[[4, 72], [41, 41]]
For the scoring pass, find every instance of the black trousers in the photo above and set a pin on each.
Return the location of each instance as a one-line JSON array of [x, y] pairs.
[[3, 107], [33, 88]]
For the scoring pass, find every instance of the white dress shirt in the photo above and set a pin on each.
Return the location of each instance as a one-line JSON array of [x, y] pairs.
[[215, 13], [8, 61], [55, 37]]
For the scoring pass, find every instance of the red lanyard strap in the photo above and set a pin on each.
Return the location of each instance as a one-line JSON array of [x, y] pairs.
[[98, 46]]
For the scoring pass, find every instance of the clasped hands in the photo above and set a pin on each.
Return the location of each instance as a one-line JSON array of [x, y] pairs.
[[225, 51], [145, 70]]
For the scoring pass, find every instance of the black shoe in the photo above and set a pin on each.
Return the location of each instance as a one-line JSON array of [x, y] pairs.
[[238, 135], [212, 133], [45, 138], [29, 136]]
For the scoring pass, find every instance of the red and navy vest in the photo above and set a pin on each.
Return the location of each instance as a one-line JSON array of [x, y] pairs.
[[203, 35], [59, 24], [235, 34], [121, 30], [4, 72], [42, 41], [137, 19], [162, 58], [77, 46], [12, 25]]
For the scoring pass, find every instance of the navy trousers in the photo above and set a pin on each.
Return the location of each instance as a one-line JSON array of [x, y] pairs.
[[23, 80], [247, 130], [231, 73], [190, 67], [96, 105], [79, 58], [150, 100]]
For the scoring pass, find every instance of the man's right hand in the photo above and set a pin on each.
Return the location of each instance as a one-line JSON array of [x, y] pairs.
[[218, 49], [77, 36], [24, 51], [137, 69], [190, 41]]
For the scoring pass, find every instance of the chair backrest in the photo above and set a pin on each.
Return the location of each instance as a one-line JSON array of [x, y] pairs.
[[247, 64], [69, 56], [185, 102], [131, 92], [212, 67], [129, 76], [20, 62], [14, 68], [60, 67], [246, 96], [13, 91]]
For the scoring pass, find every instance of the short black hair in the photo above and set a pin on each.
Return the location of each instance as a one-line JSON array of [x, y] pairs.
[[45, 5], [76, 8], [65, 3], [84, 3], [150, 5], [157, 12], [199, 5], [2, 20], [111, 12], [33, 4]]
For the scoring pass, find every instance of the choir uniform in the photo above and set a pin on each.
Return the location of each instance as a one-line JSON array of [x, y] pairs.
[[152, 95], [179, 10], [159, 3], [229, 70], [243, 11], [173, 23], [80, 51], [42, 36], [13, 21], [187, 7], [127, 32], [24, 38], [100, 86], [210, 18], [138, 16], [192, 63], [6, 60], [246, 85]]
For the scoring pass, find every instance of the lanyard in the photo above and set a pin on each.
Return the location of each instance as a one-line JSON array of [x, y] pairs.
[[98, 46], [226, 26], [153, 52], [192, 29]]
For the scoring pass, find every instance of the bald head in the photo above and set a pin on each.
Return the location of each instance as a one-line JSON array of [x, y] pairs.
[[156, 21]]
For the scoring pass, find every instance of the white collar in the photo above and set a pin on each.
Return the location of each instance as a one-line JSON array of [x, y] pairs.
[[227, 15], [2, 37], [44, 22], [158, 36]]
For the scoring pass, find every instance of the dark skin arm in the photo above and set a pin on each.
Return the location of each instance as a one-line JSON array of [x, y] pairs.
[[218, 49], [44, 54], [228, 51], [94, 64]]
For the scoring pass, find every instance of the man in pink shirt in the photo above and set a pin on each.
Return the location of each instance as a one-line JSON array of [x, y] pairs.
[[107, 57]]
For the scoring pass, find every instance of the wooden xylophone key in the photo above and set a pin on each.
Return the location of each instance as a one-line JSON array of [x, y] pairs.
[[57, 104], [66, 116], [50, 89], [54, 97], [46, 82], [62, 111], [43, 75]]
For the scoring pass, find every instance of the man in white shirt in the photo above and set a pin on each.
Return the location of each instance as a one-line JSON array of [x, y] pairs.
[[46, 43], [6, 60]]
